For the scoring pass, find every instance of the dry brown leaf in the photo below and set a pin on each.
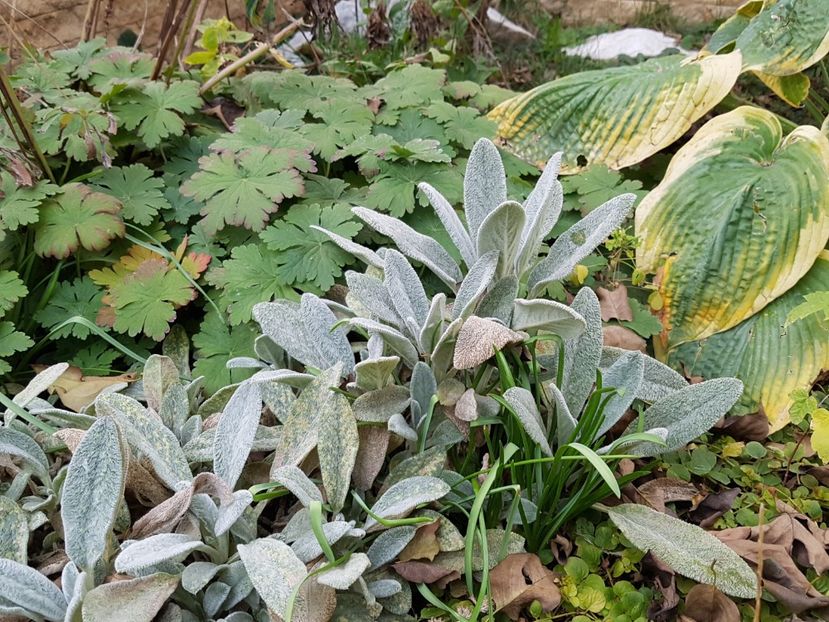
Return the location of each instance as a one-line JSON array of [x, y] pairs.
[[614, 304], [77, 391], [657, 492], [164, 517], [424, 545], [374, 442], [621, 337], [520, 579], [754, 427], [705, 603], [479, 338], [714, 506], [71, 437], [421, 572]]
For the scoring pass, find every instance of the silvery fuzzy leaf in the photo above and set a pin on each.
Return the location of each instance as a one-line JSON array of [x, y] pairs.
[[198, 574], [387, 546], [200, 449], [484, 184], [405, 289], [278, 397], [235, 575], [579, 241], [444, 350], [175, 408], [76, 598], [374, 374], [92, 491], [274, 570], [687, 549], [26, 588], [137, 556], [565, 422], [191, 430], [475, 284], [422, 388], [430, 462], [658, 380], [405, 496], [543, 208], [297, 526], [396, 340], [343, 576], [245, 362], [307, 547], [547, 315], [146, 433], [385, 588], [466, 408], [266, 349], [397, 425], [625, 375], [374, 443], [582, 355], [292, 478], [378, 405], [373, 295], [140, 599], [39, 384], [501, 231], [23, 446], [214, 597], [400, 604], [443, 435], [496, 539], [431, 330], [375, 346], [524, 407], [236, 431], [160, 373], [300, 432], [629, 446], [68, 577], [231, 510], [687, 413], [216, 402], [63, 418], [14, 531], [304, 331], [237, 616], [451, 222], [289, 377], [414, 245], [176, 346], [478, 340], [363, 253], [498, 301], [337, 448]]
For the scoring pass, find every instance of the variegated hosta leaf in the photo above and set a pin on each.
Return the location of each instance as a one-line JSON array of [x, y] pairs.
[[143, 598], [523, 405], [741, 215], [687, 413], [236, 431], [782, 39], [93, 489], [771, 358], [617, 116], [405, 496], [304, 331], [147, 434], [14, 531], [275, 571], [26, 588], [686, 548]]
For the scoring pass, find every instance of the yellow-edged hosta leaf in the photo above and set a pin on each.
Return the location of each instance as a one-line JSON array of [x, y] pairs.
[[726, 35], [771, 358], [792, 89], [617, 116], [739, 217]]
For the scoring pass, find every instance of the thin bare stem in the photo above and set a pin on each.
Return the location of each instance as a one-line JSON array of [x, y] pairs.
[[758, 598], [89, 20]]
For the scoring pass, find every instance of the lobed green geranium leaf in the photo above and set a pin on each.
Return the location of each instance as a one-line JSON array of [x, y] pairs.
[[139, 192], [155, 109]]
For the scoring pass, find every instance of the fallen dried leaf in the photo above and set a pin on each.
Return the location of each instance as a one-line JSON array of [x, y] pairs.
[[621, 337], [424, 545], [657, 492], [77, 391], [520, 579], [614, 304], [705, 603], [421, 572]]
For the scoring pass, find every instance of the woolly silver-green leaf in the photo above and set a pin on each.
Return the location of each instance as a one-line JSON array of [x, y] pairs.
[[393, 338], [687, 549], [397, 424], [404, 287], [92, 491], [343, 576], [405, 496], [497, 303], [484, 184], [547, 315], [658, 380], [501, 231], [308, 548], [23, 446], [14, 531], [523, 405], [26, 588], [374, 374], [337, 449], [542, 207], [625, 376], [475, 285], [137, 556], [275, 571], [579, 241], [299, 484], [160, 373], [378, 405], [565, 422], [196, 575], [687, 413], [451, 222], [373, 295], [388, 544], [235, 432], [363, 253], [582, 355], [138, 600], [37, 385]]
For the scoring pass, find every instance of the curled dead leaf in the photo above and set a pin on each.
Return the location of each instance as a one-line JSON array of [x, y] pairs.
[[424, 545], [621, 337], [705, 603], [614, 304], [519, 580], [77, 391]]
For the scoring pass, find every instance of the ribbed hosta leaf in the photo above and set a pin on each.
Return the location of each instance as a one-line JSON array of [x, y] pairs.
[[686, 548], [92, 492], [741, 215], [784, 38], [617, 116], [772, 359]]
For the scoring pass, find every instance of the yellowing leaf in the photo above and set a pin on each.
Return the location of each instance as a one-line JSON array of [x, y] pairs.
[[617, 116], [820, 433], [77, 391], [740, 215]]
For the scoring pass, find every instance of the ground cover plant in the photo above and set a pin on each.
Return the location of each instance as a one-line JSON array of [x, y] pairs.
[[257, 363]]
